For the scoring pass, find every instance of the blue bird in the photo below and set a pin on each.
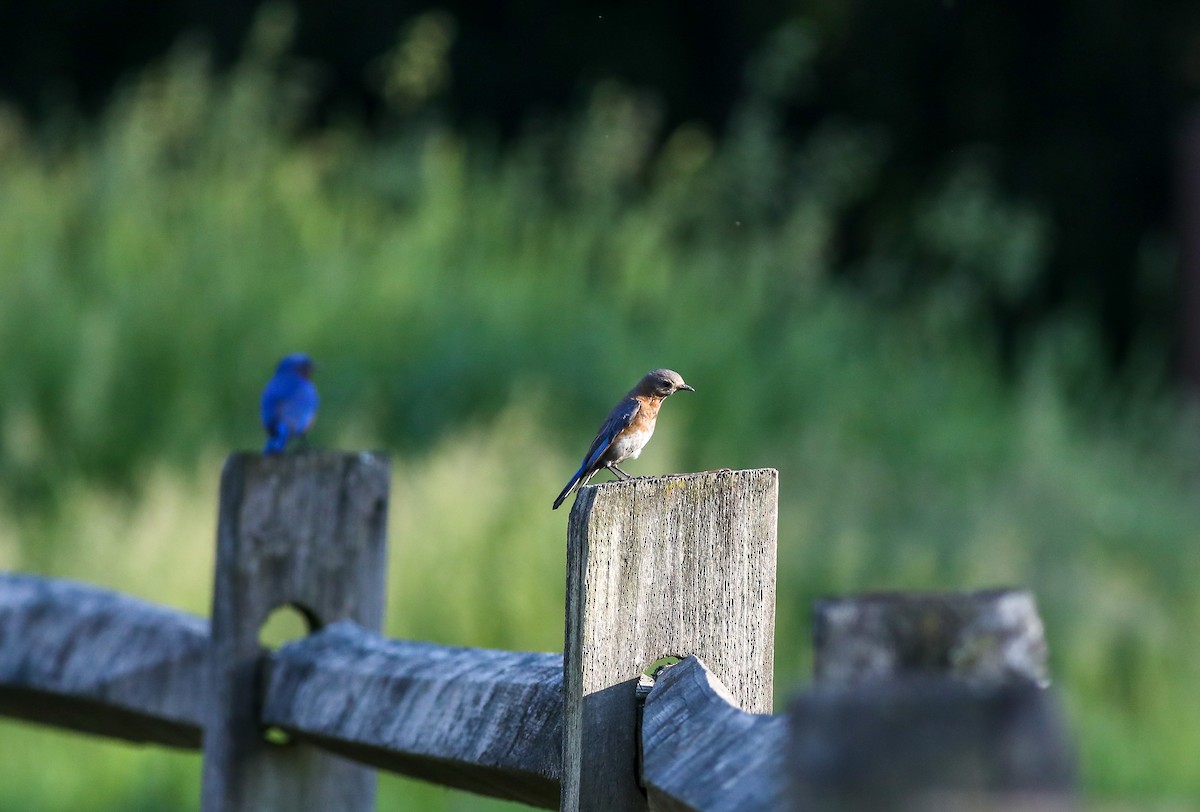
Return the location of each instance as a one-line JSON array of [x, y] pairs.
[[627, 429], [289, 402]]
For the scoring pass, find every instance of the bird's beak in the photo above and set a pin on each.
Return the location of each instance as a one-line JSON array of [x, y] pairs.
[[685, 386]]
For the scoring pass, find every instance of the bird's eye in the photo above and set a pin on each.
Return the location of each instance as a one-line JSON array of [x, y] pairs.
[[664, 384]]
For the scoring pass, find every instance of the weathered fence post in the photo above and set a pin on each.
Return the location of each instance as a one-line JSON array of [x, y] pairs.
[[673, 566], [991, 636], [307, 530], [930, 701]]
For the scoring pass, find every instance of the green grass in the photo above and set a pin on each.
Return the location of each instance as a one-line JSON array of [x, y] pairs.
[[476, 309]]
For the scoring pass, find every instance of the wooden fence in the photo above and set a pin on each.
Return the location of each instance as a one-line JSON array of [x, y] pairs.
[[933, 701]]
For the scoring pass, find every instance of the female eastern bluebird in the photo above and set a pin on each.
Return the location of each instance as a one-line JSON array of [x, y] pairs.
[[627, 429], [289, 402]]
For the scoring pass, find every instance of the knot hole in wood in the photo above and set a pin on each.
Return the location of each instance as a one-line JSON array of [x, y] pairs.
[[285, 623]]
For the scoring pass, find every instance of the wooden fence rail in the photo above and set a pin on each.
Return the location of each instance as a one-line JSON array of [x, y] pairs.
[[919, 698], [476, 719], [87, 659]]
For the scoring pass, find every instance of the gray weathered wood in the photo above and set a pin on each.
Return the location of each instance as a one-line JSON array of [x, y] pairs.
[[88, 659], [475, 719], [702, 752], [306, 530], [929, 743], [672, 566], [992, 636]]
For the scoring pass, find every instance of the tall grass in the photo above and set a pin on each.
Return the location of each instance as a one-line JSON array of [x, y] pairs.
[[476, 307]]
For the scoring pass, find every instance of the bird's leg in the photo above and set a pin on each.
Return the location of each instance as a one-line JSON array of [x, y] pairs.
[[618, 473]]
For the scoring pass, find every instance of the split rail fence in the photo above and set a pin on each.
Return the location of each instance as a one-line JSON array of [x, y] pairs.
[[920, 701]]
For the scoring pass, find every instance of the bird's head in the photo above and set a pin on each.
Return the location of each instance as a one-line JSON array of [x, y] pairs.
[[297, 363], [662, 383]]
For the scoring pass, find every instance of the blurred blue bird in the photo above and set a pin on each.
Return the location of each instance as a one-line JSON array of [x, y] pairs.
[[627, 429], [289, 402]]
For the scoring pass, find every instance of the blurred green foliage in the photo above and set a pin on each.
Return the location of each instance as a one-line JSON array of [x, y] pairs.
[[477, 308], [1070, 109]]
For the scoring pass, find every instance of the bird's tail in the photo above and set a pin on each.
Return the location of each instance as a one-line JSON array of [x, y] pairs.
[[276, 443], [575, 480]]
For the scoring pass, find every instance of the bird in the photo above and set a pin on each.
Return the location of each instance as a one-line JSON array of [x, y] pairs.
[[627, 430], [289, 402]]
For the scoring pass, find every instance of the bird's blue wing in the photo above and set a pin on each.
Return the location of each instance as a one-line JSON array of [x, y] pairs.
[[618, 420], [288, 407], [273, 397], [298, 410]]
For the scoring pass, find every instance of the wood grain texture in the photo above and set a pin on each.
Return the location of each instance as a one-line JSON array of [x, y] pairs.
[[306, 530], [929, 743], [988, 637], [85, 658], [672, 566], [702, 752], [475, 719]]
